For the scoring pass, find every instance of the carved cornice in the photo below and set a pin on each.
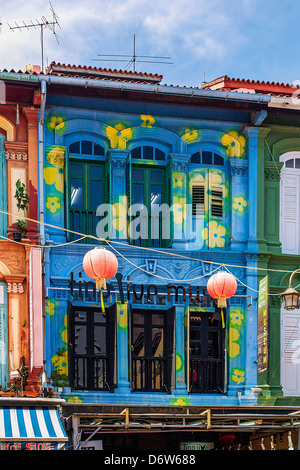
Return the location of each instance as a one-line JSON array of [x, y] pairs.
[[16, 151], [14, 283], [272, 171]]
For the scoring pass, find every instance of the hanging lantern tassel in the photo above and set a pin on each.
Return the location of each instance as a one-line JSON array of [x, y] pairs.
[[222, 316]]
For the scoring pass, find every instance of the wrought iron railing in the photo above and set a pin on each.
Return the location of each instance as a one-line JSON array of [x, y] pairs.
[[149, 374], [207, 375]]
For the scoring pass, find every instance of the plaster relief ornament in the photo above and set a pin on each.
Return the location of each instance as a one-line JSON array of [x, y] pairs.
[[118, 136]]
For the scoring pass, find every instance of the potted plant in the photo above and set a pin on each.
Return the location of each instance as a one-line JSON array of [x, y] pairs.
[[22, 204]]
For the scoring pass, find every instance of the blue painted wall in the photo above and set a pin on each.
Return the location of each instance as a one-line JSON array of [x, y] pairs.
[[228, 240]]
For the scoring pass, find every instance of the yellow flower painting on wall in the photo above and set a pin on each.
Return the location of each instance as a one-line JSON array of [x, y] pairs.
[[118, 136], [235, 144]]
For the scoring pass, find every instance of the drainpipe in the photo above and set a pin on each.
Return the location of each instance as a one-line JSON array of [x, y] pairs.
[[41, 162]]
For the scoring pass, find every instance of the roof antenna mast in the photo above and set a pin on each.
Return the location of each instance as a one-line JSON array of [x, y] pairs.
[[42, 23], [133, 58]]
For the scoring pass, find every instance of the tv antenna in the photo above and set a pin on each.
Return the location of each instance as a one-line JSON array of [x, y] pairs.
[[43, 23], [133, 58]]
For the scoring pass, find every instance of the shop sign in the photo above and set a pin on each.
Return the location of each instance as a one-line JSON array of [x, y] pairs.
[[86, 290], [196, 445], [263, 326], [32, 446]]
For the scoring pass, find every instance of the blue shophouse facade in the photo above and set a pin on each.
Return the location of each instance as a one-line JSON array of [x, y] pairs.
[[113, 154]]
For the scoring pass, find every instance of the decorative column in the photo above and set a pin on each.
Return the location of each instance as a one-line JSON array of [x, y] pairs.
[[118, 198], [239, 203], [122, 349], [16, 161], [251, 327], [179, 190], [252, 133], [55, 192], [261, 210], [32, 126], [272, 205], [181, 386], [17, 337]]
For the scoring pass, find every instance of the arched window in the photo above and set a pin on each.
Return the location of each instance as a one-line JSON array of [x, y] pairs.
[[207, 191], [148, 192], [86, 185], [207, 158], [86, 147], [290, 203], [147, 152]]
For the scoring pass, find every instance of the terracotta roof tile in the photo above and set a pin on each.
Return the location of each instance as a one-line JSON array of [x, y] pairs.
[[240, 84], [96, 73]]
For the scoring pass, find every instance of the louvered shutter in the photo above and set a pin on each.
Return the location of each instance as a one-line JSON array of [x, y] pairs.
[[289, 213], [290, 353], [198, 199]]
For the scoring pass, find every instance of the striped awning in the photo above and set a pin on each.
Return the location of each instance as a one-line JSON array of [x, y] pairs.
[[19, 424]]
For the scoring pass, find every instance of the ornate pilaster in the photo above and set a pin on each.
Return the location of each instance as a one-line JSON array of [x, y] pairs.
[[239, 203], [180, 202], [54, 169]]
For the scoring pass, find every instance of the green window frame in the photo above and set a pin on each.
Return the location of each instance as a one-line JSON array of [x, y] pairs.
[[86, 191], [147, 186]]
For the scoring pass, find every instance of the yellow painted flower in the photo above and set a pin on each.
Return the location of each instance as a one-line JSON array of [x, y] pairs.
[[54, 175], [179, 209], [180, 401], [235, 144], [60, 361], [57, 123], [53, 204], [214, 234], [179, 362], [237, 317], [119, 215], [65, 332], [177, 179], [239, 203], [74, 399], [233, 345], [190, 135], [147, 120], [238, 375], [122, 318], [118, 136], [50, 307]]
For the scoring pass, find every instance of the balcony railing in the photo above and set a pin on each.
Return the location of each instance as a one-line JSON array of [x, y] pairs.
[[207, 375], [149, 374], [91, 373]]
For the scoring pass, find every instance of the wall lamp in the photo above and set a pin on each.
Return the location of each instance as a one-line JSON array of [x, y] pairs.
[[290, 297]]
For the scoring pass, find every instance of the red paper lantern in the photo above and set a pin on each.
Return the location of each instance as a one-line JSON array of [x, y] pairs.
[[221, 286], [100, 264]]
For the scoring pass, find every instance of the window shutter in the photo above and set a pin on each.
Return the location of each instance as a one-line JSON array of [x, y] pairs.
[[198, 199], [170, 348], [111, 373], [216, 202], [289, 214], [290, 363], [108, 191]]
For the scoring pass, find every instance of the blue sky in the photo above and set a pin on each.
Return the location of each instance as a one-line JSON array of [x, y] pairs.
[[255, 39]]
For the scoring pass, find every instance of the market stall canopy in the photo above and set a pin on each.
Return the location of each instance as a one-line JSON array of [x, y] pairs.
[[29, 426]]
